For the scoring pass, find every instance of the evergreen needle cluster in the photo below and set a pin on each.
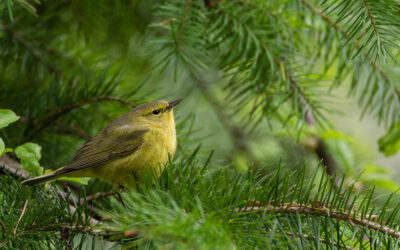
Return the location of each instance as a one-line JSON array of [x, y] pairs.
[[68, 68]]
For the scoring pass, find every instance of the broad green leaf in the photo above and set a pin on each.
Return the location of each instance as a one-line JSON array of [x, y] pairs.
[[80, 180], [389, 144], [29, 154], [6, 151], [2, 147], [6, 117]]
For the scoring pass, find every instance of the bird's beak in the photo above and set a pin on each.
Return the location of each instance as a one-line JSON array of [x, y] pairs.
[[173, 103]]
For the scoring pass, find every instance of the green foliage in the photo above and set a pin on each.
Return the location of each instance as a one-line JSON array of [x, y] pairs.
[[390, 143], [339, 146], [372, 24], [193, 205], [9, 5], [343, 149], [29, 154], [42, 222], [2, 147], [245, 69], [6, 117], [380, 177], [254, 61]]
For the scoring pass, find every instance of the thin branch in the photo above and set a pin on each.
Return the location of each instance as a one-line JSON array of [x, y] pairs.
[[308, 114], [370, 16], [60, 128], [116, 99], [288, 208], [280, 63], [20, 217], [3, 226], [65, 237], [355, 43], [36, 53], [90, 199], [10, 166], [54, 115], [92, 221], [178, 40], [60, 227]]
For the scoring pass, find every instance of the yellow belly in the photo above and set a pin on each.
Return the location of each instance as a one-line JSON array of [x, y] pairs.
[[150, 159]]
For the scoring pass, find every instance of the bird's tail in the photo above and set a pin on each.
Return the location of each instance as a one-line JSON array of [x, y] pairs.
[[40, 179]]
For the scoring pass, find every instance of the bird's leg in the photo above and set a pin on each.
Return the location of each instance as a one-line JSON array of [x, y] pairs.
[[120, 187]]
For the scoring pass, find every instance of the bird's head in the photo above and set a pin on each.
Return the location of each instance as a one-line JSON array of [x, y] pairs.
[[158, 113]]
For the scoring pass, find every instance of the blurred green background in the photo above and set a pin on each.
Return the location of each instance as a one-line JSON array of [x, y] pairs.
[[46, 46]]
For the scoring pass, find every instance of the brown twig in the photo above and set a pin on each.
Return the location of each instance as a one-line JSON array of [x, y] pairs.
[[178, 40], [10, 166], [20, 217], [76, 131], [308, 114], [60, 227], [293, 208], [121, 200], [167, 21], [370, 16], [90, 199], [3, 226], [65, 235]]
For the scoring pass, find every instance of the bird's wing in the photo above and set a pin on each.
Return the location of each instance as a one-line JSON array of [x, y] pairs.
[[105, 147]]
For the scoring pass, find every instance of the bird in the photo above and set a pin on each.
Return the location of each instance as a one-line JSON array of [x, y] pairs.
[[136, 144]]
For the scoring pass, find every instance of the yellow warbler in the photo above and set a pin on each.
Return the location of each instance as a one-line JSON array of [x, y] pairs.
[[143, 137]]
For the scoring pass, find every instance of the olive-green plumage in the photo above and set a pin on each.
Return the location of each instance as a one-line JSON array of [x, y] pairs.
[[120, 153]]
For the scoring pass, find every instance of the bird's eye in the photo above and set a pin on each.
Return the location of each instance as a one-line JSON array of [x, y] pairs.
[[156, 112]]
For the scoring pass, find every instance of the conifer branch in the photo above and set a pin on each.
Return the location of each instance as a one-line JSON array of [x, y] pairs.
[[370, 16], [35, 52], [309, 107], [279, 63], [8, 165], [178, 42], [354, 42], [60, 227], [293, 208]]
